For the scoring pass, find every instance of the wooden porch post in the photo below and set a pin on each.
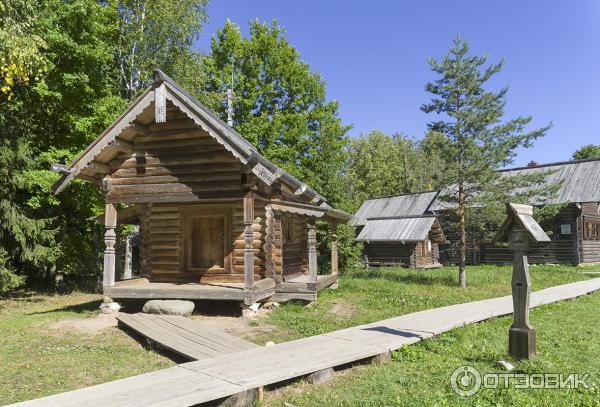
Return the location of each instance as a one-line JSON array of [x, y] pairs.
[[248, 237], [110, 238], [269, 263], [334, 253], [312, 255]]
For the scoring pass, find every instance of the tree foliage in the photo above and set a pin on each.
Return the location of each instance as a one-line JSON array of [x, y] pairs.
[[281, 107], [477, 141], [381, 165], [154, 33], [70, 88], [587, 151]]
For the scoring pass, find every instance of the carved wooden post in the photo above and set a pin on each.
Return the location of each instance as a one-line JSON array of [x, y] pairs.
[[248, 238], [268, 247], [520, 229], [277, 248], [312, 255], [110, 238], [521, 335], [334, 253], [128, 263]]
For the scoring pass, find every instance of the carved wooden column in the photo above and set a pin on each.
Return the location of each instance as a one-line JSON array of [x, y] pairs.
[[110, 238], [277, 248], [312, 255], [268, 247], [128, 263], [248, 238], [521, 335], [334, 253]]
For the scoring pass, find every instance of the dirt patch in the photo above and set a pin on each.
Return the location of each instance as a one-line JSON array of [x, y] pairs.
[[342, 309], [254, 329], [91, 326]]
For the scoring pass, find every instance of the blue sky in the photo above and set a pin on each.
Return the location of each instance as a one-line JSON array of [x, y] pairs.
[[373, 57]]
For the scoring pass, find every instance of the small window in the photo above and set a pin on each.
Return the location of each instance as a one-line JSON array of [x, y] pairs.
[[565, 229]]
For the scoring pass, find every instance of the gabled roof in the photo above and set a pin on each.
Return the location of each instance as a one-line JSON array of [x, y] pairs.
[[522, 215], [579, 180], [394, 206], [166, 89], [406, 229]]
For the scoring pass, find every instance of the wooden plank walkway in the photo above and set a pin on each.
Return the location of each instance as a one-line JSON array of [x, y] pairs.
[[214, 378], [184, 336]]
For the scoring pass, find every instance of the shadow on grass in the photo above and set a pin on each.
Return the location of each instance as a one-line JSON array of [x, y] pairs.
[[77, 308], [391, 331], [409, 277]]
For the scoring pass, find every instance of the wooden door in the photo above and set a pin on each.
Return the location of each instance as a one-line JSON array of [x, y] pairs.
[[207, 243], [207, 240]]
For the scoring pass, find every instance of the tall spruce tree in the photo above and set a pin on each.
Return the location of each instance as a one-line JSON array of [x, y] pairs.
[[478, 141]]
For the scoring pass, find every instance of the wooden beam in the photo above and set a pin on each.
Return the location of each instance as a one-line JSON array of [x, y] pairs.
[[122, 146], [312, 255], [99, 167], [110, 238], [141, 129]]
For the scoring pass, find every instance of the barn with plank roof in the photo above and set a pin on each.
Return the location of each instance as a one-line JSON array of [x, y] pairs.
[[400, 230]]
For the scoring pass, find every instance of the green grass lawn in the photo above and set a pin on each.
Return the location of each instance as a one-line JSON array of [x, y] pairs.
[[36, 359], [419, 375], [378, 294]]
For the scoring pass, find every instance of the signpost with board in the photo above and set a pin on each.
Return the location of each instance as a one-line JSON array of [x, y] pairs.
[[520, 230]]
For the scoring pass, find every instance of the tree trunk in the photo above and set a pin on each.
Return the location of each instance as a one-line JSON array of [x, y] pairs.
[[462, 273]]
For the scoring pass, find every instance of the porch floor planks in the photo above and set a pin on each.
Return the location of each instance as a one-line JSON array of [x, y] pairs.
[[185, 337], [213, 378]]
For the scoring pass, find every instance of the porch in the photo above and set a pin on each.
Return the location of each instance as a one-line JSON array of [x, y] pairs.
[[265, 289]]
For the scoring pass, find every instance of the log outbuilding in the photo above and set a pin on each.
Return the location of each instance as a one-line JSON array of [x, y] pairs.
[[217, 220], [400, 230]]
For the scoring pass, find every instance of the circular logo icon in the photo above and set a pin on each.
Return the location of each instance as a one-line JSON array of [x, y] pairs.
[[466, 381]]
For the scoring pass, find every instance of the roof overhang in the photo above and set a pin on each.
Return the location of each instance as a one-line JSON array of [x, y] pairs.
[[324, 212], [402, 230]]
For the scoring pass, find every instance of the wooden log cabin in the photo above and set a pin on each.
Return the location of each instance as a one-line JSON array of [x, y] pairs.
[[217, 220], [399, 230], [574, 230]]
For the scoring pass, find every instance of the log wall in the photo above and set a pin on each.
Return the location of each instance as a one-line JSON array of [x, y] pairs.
[[390, 253], [590, 245], [163, 239], [176, 162], [563, 248]]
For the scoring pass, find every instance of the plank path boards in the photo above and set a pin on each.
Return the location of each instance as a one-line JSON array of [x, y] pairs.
[[213, 378], [184, 336]]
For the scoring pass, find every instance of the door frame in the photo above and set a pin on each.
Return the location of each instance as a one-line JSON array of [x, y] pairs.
[[207, 210]]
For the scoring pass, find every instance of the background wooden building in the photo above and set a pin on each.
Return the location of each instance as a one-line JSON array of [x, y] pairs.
[[217, 220], [574, 231], [400, 230]]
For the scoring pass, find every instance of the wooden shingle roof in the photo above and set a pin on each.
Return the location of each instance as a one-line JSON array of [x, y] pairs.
[[394, 206]]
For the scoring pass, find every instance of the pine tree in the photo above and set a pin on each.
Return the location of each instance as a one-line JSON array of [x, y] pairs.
[[477, 140]]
